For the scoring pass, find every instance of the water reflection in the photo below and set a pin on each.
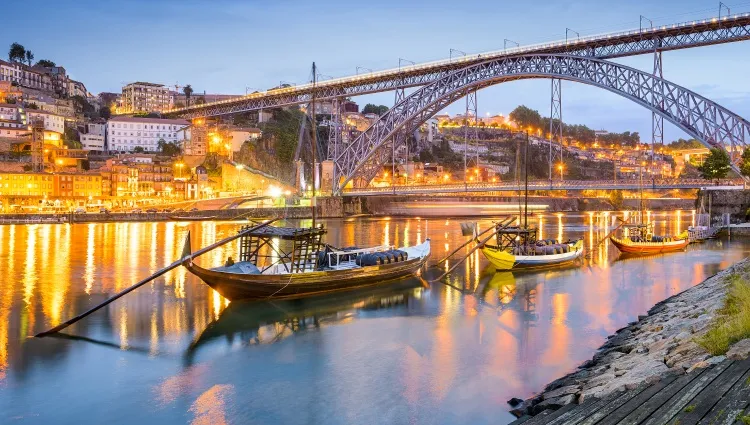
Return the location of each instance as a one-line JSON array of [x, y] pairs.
[[454, 351]]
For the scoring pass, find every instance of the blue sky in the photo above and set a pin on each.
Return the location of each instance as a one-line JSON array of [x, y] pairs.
[[224, 46]]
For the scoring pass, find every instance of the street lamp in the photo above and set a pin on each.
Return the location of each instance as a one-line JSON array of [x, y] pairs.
[[238, 167], [560, 167]]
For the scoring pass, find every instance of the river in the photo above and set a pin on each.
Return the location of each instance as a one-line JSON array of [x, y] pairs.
[[175, 352]]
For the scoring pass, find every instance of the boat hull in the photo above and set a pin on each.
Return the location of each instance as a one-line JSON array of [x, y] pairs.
[[504, 260], [238, 286], [644, 248]]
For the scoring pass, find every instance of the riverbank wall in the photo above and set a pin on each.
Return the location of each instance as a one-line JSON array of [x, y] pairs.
[[661, 343], [733, 202], [324, 210], [483, 205]]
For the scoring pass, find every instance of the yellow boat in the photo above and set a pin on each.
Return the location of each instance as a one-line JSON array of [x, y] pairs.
[[504, 259]]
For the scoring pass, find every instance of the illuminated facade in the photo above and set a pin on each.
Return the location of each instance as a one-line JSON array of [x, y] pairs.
[[145, 97], [126, 133], [47, 185]]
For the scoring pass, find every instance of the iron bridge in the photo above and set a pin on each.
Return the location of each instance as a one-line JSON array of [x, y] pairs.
[[699, 117], [645, 40]]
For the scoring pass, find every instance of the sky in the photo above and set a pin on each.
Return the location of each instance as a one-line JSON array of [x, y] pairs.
[[230, 46]]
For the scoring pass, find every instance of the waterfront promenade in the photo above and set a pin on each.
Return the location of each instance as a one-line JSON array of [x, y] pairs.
[[658, 370], [718, 394]]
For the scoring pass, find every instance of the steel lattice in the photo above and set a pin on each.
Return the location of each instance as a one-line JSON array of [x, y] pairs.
[[664, 38], [699, 117]]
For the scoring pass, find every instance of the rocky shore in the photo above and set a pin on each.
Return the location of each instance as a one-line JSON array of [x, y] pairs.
[[657, 345]]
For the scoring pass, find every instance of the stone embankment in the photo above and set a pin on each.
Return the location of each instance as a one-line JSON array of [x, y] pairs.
[[661, 343]]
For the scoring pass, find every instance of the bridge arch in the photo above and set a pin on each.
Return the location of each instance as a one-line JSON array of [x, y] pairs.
[[706, 121]]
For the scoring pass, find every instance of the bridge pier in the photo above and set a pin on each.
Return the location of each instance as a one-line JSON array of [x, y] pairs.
[[555, 122]]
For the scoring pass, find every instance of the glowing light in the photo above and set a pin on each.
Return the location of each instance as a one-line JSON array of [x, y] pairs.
[[274, 191]]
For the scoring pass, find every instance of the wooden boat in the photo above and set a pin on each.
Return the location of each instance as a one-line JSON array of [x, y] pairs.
[[640, 240], [285, 263], [517, 248]]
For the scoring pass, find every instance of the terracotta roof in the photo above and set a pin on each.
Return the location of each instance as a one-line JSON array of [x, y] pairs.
[[149, 120]]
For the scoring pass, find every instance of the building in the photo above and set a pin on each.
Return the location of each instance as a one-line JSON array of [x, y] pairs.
[[97, 128], [9, 91], [93, 142], [77, 185], [27, 184], [9, 112], [126, 133], [22, 75], [49, 185], [52, 122], [134, 176], [240, 135], [76, 88], [145, 97]]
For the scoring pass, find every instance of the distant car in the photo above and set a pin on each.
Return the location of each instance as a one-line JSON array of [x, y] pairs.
[[167, 210], [80, 210], [103, 211], [194, 209], [136, 211], [152, 210]]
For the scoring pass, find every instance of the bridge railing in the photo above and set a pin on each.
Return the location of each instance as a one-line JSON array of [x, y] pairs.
[[547, 185]]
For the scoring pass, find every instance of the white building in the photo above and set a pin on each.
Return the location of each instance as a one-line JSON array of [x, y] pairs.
[[96, 128], [52, 122], [8, 112], [241, 135], [92, 142], [126, 133]]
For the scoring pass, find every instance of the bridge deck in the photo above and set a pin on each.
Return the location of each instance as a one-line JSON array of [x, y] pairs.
[[456, 188], [715, 395]]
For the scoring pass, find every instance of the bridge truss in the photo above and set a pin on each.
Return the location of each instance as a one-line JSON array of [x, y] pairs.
[[706, 121], [628, 43]]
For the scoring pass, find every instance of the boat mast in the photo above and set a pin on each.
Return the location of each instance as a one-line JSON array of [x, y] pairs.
[[526, 182], [314, 141]]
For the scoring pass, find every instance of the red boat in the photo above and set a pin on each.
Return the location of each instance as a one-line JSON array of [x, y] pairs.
[[640, 240]]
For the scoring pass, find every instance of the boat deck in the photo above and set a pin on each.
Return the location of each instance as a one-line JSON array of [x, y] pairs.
[[716, 395]]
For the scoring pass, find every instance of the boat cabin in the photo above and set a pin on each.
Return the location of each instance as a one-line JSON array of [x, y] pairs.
[[282, 249]]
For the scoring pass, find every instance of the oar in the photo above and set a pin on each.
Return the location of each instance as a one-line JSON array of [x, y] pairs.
[[503, 223], [479, 245], [186, 255]]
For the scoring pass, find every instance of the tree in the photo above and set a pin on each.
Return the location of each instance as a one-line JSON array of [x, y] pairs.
[[616, 199], [374, 109], [168, 148], [138, 149], [526, 117], [46, 63], [29, 57], [71, 138], [745, 166], [200, 100], [187, 91], [716, 165], [16, 53], [33, 106], [105, 113]]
